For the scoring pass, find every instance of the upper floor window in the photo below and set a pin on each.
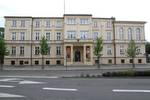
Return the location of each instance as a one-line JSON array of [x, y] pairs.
[[13, 35], [22, 35], [84, 21], [95, 35], [49, 50], [37, 37], [129, 34], [121, 35], [58, 35], [109, 50], [48, 24], [71, 21], [14, 23], [95, 24], [22, 23], [37, 50], [121, 49], [48, 36], [58, 23], [58, 50], [109, 36], [13, 51], [108, 24], [138, 34], [84, 34], [21, 50], [71, 34], [37, 24]]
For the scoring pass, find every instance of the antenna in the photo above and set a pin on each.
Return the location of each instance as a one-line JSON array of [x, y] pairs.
[[64, 6]]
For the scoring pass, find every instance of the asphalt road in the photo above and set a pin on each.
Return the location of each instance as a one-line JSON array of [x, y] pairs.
[[50, 88]]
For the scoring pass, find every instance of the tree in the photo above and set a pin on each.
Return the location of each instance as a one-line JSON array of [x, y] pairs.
[[132, 51], [98, 49], [3, 51], [43, 49]]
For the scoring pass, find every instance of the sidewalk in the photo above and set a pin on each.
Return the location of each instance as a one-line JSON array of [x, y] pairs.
[[103, 67]]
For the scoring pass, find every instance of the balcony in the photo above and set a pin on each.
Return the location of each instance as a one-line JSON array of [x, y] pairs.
[[90, 40]]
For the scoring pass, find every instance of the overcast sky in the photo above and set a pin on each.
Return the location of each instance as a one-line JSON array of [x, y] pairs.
[[131, 10]]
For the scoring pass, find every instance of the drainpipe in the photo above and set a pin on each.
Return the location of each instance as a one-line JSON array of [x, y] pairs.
[[114, 44], [31, 40]]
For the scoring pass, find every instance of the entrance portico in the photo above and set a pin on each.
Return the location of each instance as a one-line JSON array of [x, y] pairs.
[[78, 54]]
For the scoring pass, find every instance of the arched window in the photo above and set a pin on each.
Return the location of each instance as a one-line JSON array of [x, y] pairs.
[[138, 32], [129, 34], [121, 35]]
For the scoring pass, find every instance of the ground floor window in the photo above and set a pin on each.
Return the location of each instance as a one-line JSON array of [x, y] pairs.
[[47, 62], [122, 61], [139, 60], [58, 62], [131, 60], [21, 62], [36, 62], [12, 62], [109, 61], [26, 62]]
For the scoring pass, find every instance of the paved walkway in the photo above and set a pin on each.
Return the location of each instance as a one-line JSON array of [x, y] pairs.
[[143, 66]]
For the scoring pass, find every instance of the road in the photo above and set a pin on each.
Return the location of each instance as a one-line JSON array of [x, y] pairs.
[[53, 88]]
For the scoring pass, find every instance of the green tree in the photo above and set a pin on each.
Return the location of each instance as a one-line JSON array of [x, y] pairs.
[[132, 51], [98, 49], [43, 49], [147, 46], [3, 51]]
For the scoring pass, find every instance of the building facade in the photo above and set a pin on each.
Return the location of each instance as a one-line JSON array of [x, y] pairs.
[[71, 39]]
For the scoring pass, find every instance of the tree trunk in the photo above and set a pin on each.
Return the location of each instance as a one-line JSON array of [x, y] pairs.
[[133, 65], [98, 62], [1, 65], [42, 63]]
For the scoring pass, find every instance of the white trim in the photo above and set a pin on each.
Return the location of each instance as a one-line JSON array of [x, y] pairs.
[[141, 91], [60, 89]]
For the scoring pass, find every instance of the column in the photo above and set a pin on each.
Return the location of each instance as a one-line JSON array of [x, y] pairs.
[[65, 54], [91, 53], [84, 54], [71, 54]]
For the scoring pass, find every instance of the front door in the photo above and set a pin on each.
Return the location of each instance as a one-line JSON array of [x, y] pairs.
[[77, 56]]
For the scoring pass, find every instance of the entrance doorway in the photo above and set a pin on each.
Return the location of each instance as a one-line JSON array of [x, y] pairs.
[[78, 53], [77, 56]]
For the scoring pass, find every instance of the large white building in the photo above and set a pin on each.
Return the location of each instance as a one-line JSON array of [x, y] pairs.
[[71, 39]]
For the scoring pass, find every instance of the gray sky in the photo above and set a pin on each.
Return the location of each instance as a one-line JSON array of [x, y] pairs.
[[131, 10]]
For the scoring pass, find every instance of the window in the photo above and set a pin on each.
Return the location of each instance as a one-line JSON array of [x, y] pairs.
[[95, 35], [108, 24], [48, 36], [109, 50], [95, 24], [13, 51], [84, 34], [71, 21], [139, 60], [21, 62], [121, 50], [109, 61], [84, 21], [37, 50], [21, 50], [71, 34], [13, 35], [48, 24], [26, 62], [22, 23], [22, 36], [138, 32], [12, 62], [58, 23], [37, 24], [129, 34], [14, 23], [49, 50], [122, 61], [138, 50], [37, 36], [47, 62], [121, 35], [108, 35], [131, 60], [58, 62], [58, 50], [36, 62], [58, 36]]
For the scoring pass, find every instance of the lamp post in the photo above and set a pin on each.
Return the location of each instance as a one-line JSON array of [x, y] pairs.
[[66, 62]]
